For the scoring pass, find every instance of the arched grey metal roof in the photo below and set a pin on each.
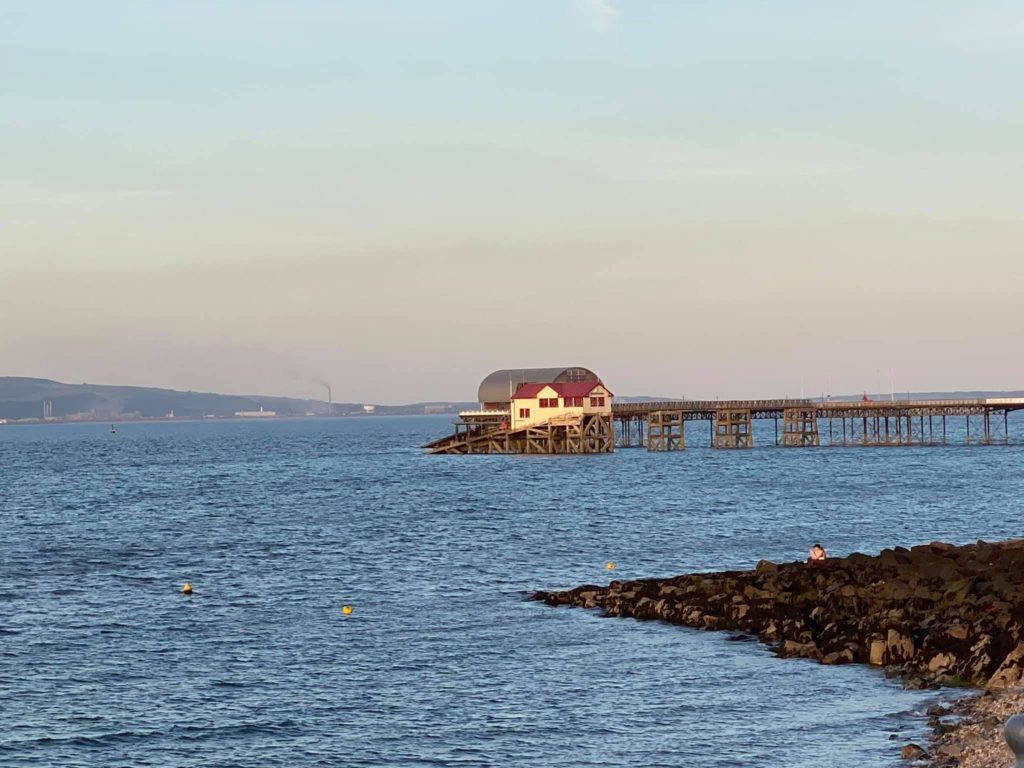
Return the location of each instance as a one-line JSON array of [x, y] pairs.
[[499, 386]]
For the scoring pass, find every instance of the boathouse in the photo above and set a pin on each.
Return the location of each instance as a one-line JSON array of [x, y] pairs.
[[538, 403], [535, 410], [496, 390]]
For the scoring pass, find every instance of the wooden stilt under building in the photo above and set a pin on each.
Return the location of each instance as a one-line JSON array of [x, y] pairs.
[[591, 433]]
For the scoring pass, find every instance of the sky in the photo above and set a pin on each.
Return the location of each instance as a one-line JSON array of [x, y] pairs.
[[695, 198]]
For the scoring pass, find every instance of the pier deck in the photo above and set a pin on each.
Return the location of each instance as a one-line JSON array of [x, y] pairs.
[[659, 426]]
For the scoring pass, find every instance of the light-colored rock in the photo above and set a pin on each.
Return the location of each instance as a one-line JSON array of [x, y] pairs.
[[1011, 671], [876, 653], [898, 647]]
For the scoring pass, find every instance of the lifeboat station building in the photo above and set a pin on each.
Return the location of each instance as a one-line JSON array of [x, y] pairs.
[[535, 410], [537, 403]]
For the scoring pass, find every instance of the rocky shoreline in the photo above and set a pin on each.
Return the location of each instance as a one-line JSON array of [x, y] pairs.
[[935, 615], [969, 733]]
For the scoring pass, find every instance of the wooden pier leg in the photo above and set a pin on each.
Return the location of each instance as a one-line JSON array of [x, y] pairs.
[[800, 427], [943, 429], [655, 432], [968, 428], [733, 428]]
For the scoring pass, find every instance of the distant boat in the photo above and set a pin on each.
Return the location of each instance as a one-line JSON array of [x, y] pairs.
[[112, 429]]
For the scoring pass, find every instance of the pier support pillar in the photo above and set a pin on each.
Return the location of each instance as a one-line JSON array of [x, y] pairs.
[[800, 428], [665, 431], [733, 428]]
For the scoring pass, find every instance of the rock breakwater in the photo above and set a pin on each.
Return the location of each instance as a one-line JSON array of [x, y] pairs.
[[938, 614]]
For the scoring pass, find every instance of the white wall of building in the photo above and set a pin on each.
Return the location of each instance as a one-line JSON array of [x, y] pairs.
[[540, 415]]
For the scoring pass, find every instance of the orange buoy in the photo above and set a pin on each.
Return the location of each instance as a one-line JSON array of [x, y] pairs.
[[609, 566], [346, 609], [187, 589]]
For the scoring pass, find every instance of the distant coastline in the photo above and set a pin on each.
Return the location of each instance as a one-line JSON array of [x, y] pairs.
[[25, 400]]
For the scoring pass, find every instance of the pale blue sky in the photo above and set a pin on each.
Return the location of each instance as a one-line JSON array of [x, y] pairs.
[[693, 198]]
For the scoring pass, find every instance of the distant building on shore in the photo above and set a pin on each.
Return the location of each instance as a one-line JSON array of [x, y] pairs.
[[260, 414]]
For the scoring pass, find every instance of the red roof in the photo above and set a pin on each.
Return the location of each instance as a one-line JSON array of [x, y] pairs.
[[562, 388], [576, 388], [529, 389]]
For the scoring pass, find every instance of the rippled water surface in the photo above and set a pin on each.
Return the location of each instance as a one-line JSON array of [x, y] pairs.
[[441, 663]]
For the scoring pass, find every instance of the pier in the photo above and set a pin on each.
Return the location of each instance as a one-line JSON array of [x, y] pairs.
[[570, 410], [804, 423], [661, 426]]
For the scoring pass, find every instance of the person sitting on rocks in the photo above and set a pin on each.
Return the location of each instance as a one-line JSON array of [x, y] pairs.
[[817, 553]]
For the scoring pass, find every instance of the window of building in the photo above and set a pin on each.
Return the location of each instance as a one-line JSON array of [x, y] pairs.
[[548, 402], [574, 402], [524, 413], [597, 402]]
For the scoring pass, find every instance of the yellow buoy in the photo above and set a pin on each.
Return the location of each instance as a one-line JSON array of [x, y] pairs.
[[187, 589], [346, 609], [610, 566]]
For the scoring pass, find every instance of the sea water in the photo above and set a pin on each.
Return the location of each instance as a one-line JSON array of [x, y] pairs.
[[442, 661]]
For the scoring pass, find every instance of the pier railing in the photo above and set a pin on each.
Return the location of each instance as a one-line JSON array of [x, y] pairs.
[[708, 406], [823, 408]]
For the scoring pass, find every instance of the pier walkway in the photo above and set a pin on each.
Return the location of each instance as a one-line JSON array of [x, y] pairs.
[[659, 426]]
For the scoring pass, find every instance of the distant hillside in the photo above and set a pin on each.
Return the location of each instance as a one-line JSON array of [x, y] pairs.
[[23, 398]]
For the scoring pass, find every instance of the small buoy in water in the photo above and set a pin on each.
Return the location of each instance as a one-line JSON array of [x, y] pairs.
[[187, 589], [346, 609], [609, 566]]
